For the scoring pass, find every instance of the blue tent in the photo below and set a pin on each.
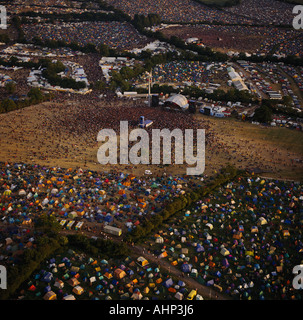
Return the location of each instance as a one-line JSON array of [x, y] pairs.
[[130, 272], [210, 283], [47, 277], [218, 274], [199, 248], [168, 283], [114, 282], [186, 267], [108, 218], [47, 289], [181, 283]]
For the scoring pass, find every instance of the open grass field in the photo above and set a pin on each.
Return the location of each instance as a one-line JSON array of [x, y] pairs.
[[277, 151], [32, 135]]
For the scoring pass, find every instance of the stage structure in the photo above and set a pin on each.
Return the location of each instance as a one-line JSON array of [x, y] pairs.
[[144, 123], [177, 102]]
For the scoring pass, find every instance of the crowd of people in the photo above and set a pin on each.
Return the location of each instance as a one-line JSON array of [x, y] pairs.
[[264, 11], [247, 12], [177, 11], [113, 34], [119, 35], [251, 39], [66, 133]]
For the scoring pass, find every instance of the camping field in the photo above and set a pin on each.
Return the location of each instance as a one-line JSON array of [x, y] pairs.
[[98, 278], [230, 250], [238, 238]]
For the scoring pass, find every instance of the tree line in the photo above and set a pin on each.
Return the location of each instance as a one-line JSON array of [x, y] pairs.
[[181, 203], [34, 96], [50, 73], [48, 241]]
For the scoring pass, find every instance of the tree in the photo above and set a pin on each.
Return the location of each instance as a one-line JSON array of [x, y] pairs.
[[35, 95], [99, 85], [287, 100], [7, 105], [127, 72], [4, 38], [103, 50], [10, 87], [38, 41], [13, 60], [89, 48], [47, 224], [263, 114]]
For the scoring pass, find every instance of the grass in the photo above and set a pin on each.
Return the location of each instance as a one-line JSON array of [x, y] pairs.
[[282, 137]]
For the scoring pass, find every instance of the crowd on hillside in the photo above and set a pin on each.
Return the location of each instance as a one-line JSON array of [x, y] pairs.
[[264, 11], [113, 34], [177, 11], [247, 12]]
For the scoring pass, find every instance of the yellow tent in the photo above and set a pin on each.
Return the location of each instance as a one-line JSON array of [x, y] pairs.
[[7, 192], [78, 290], [50, 295]]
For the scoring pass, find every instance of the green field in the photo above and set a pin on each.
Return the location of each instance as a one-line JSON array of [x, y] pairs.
[[284, 138]]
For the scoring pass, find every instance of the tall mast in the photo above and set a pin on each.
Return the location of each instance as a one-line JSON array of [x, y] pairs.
[[149, 88]]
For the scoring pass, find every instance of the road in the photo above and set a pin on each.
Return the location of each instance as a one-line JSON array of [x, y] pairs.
[[137, 250], [204, 291]]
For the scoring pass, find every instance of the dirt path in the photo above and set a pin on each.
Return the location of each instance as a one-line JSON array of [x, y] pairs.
[[205, 291], [136, 251]]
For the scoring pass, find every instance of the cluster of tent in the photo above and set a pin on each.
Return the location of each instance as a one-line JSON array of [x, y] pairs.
[[14, 243], [73, 276], [24, 51], [243, 239], [76, 72], [4, 80], [89, 196], [186, 73]]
